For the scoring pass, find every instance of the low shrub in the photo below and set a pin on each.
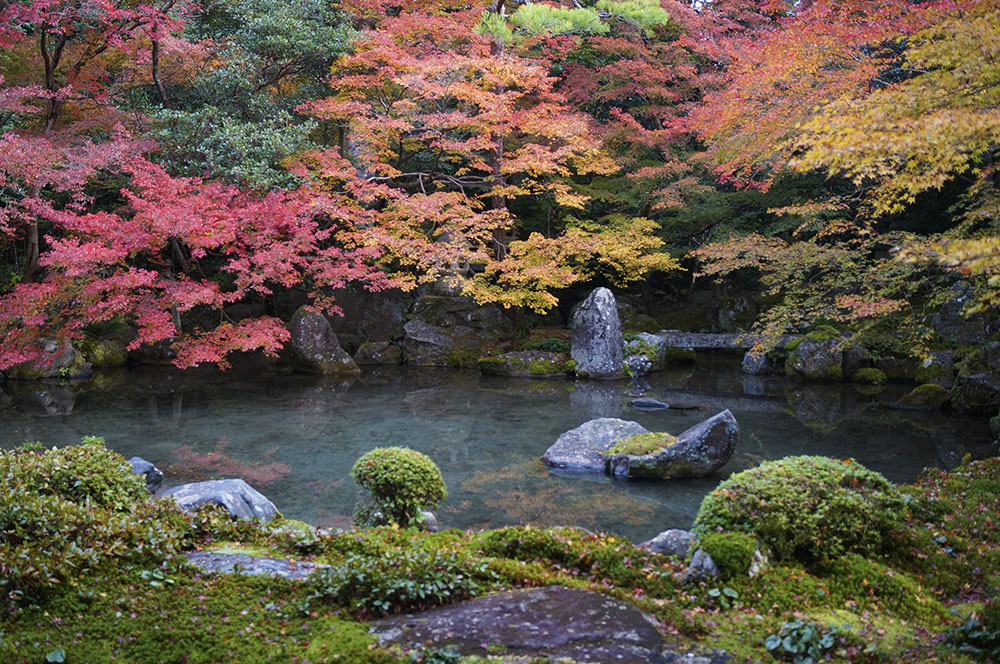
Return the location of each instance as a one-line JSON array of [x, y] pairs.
[[399, 581], [979, 636], [801, 642], [806, 508], [68, 511], [399, 483]]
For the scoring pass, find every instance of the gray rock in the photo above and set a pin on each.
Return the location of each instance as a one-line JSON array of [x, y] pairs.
[[240, 499], [938, 368], [756, 364], [596, 344], [556, 622], [659, 342], [451, 331], [428, 521], [582, 448], [816, 360], [856, 357], [370, 317], [952, 323], [152, 474], [978, 393], [673, 542], [61, 360], [637, 365], [898, 368], [699, 451], [378, 352], [247, 565], [313, 347], [702, 568]]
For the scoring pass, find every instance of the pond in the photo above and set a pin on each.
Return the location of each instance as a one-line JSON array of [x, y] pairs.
[[295, 437]]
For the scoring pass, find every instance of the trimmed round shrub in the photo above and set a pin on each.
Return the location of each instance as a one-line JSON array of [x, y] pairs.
[[399, 483], [806, 508], [732, 553]]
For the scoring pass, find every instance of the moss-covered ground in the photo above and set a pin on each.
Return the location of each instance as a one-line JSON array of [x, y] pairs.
[[913, 603]]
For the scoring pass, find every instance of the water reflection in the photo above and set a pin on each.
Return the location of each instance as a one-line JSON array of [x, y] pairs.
[[296, 437]]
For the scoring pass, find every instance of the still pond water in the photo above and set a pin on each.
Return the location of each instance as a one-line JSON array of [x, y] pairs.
[[295, 437]]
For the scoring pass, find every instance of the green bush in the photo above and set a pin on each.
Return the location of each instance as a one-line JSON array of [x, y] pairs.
[[68, 511], [731, 552], [399, 483], [979, 636], [397, 581], [806, 508], [88, 472]]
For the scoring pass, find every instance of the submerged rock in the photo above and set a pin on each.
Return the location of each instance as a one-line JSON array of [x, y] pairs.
[[597, 343], [699, 451], [583, 448], [313, 346], [649, 404], [556, 622], [240, 499], [378, 352], [152, 474]]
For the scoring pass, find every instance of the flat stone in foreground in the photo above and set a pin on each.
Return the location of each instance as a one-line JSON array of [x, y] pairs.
[[553, 622], [247, 565]]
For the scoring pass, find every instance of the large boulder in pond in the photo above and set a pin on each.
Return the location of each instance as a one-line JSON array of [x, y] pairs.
[[582, 449], [816, 360], [597, 343], [240, 499], [313, 347], [699, 451]]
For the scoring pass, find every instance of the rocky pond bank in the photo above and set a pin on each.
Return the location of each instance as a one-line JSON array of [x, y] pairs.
[[801, 559]]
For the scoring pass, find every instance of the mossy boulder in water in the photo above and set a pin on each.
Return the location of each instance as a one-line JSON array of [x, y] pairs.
[[696, 452], [925, 397], [582, 449], [815, 359], [526, 364]]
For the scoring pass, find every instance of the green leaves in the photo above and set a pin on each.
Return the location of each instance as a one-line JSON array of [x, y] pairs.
[[801, 642], [400, 482]]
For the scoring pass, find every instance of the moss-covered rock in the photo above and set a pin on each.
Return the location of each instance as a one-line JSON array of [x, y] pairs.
[[732, 552], [868, 376], [526, 364], [105, 352], [819, 359], [925, 397], [643, 443]]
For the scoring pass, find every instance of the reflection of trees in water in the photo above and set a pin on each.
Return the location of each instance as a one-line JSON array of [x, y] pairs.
[[524, 494], [192, 465]]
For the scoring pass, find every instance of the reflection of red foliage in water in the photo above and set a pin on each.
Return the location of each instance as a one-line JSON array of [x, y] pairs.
[[218, 462]]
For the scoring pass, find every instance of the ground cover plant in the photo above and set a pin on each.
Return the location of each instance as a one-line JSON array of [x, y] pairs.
[[927, 594]]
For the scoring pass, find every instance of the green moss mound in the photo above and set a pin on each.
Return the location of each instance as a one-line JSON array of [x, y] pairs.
[[643, 443], [868, 376], [400, 482], [806, 508], [731, 552]]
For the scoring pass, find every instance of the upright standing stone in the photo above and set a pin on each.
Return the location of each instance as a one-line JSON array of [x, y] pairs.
[[597, 342], [314, 347]]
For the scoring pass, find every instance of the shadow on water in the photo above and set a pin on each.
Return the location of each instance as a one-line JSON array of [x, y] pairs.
[[295, 437]]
